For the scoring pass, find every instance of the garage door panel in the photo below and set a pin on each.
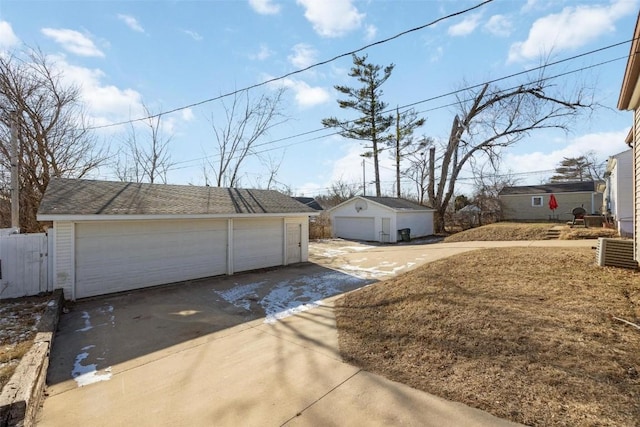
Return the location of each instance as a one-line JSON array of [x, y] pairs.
[[257, 244], [113, 257], [355, 228]]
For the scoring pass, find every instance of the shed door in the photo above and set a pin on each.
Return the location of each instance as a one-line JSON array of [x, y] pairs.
[[355, 228], [257, 243], [124, 255], [294, 243]]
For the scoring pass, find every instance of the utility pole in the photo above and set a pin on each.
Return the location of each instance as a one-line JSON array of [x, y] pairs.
[[15, 181], [364, 181]]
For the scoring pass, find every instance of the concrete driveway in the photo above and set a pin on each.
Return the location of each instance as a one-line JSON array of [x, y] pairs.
[[253, 349]]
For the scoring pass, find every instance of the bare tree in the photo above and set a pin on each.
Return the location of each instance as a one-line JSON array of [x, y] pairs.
[[493, 118], [52, 129], [246, 121], [147, 160], [418, 170], [405, 124], [487, 187]]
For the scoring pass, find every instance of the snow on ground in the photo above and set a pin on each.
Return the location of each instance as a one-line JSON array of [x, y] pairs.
[[89, 374], [288, 297]]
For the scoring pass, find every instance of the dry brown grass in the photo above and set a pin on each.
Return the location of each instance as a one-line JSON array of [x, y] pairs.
[[509, 231], [531, 339], [18, 326]]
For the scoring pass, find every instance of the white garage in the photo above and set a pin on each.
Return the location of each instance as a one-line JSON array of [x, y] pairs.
[[117, 236], [380, 219]]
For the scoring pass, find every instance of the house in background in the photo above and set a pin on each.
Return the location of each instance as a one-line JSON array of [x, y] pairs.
[[309, 201], [380, 219], [531, 202], [630, 100], [118, 236], [618, 193]]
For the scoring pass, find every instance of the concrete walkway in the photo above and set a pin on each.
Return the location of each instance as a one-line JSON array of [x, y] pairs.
[[259, 374]]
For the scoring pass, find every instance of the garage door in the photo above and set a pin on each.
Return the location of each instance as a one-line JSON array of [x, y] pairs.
[[119, 256], [354, 228], [257, 243]]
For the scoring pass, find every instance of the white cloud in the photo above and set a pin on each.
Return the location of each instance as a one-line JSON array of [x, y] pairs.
[[303, 55], [105, 103], [370, 32], [304, 94], [73, 41], [8, 38], [131, 22], [332, 18], [264, 7], [571, 28], [194, 35], [263, 54], [603, 144], [348, 169], [187, 115], [436, 54], [465, 27], [499, 25]]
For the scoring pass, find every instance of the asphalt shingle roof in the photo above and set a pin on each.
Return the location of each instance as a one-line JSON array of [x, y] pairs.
[[560, 187], [395, 203], [89, 197], [310, 201]]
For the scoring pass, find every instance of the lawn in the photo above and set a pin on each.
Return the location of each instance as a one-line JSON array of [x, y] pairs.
[[528, 334], [503, 231]]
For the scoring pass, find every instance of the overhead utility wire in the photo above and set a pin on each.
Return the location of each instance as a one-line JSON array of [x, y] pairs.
[[284, 76], [405, 106]]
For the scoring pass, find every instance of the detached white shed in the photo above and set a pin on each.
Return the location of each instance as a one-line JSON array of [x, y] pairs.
[[118, 236], [380, 219]]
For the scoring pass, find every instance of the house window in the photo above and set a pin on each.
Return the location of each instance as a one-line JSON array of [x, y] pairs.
[[536, 201]]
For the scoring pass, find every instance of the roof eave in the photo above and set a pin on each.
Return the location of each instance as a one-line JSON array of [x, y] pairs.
[[629, 93], [146, 217]]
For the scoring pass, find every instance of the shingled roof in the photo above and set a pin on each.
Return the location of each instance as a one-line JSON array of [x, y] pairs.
[[89, 197], [396, 203], [560, 187]]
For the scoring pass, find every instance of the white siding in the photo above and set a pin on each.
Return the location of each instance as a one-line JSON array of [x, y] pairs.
[[636, 180], [123, 255], [621, 192], [420, 223], [63, 257], [257, 243]]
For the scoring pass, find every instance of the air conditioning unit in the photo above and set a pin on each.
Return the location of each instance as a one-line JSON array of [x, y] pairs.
[[615, 253]]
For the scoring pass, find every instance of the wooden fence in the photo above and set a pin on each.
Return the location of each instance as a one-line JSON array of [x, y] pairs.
[[25, 267]]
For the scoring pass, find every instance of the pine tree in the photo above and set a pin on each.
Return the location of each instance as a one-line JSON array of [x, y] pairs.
[[372, 124]]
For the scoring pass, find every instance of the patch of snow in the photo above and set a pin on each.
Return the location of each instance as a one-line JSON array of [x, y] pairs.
[[288, 297], [87, 322], [239, 295], [371, 272], [51, 303], [87, 374]]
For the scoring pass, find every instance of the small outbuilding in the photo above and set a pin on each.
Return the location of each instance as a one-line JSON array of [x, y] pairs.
[[531, 202], [119, 236], [380, 219]]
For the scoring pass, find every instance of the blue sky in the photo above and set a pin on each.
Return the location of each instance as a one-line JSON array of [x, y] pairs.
[[170, 54]]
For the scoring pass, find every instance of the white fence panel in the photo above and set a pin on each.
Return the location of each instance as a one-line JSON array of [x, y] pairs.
[[24, 268]]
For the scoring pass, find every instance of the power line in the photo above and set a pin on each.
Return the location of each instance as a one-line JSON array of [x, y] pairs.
[[428, 100], [284, 76]]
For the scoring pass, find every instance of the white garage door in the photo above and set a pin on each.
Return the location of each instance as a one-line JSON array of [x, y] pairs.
[[257, 243], [354, 228], [119, 256]]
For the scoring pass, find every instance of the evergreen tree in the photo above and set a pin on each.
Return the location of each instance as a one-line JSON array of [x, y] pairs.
[[372, 124], [582, 168]]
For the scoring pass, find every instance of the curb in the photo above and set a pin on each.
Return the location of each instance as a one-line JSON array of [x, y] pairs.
[[22, 395]]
